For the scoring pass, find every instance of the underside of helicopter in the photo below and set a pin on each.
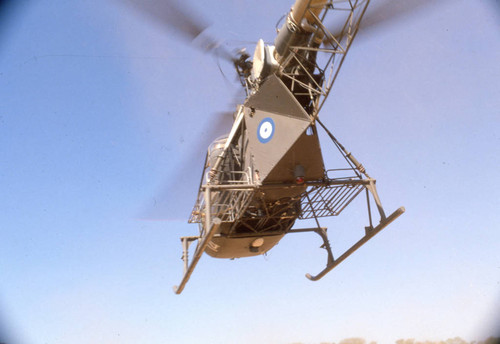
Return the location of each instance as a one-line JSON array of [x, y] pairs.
[[269, 172]]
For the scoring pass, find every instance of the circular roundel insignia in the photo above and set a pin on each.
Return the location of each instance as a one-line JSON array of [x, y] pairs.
[[265, 130]]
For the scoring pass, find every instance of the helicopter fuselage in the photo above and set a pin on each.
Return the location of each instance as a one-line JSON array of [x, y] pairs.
[[274, 151]]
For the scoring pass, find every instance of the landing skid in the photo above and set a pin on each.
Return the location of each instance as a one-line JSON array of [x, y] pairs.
[[331, 263], [200, 248]]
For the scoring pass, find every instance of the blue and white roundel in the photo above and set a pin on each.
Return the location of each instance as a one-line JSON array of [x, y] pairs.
[[265, 131]]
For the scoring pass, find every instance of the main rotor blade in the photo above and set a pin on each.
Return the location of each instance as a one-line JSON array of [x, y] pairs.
[[182, 20], [391, 10], [383, 13], [168, 13], [166, 205]]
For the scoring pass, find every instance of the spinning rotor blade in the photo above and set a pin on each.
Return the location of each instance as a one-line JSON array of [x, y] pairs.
[[170, 14], [383, 13], [391, 10], [166, 205], [182, 20]]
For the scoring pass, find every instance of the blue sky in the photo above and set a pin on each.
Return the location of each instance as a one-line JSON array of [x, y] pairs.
[[102, 111]]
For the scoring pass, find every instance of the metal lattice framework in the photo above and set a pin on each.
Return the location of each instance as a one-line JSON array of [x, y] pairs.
[[317, 82], [228, 195], [328, 200]]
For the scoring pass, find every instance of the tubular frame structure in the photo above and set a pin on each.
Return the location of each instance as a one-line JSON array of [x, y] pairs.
[[330, 55]]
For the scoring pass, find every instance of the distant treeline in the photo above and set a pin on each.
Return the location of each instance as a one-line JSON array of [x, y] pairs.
[[456, 340]]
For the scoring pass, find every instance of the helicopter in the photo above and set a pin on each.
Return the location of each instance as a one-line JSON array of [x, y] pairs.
[[268, 172]]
